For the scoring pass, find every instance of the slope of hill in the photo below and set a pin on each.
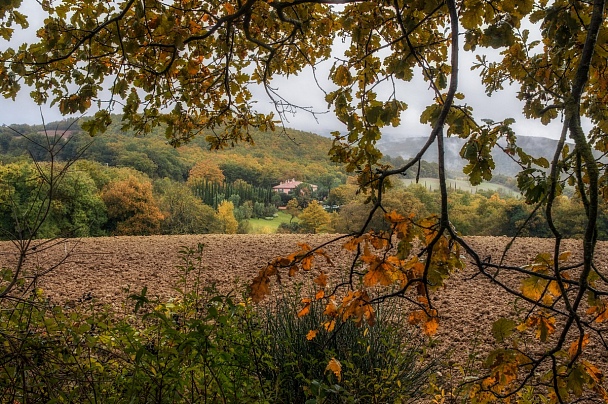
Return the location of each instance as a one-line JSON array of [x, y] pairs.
[[275, 156], [408, 147]]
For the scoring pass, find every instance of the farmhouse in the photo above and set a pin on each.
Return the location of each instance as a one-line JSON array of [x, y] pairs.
[[289, 185]]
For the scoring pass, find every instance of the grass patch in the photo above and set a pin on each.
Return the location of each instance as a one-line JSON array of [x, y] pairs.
[[462, 185], [264, 226]]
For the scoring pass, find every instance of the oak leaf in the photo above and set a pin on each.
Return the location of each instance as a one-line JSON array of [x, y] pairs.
[[311, 334], [336, 367], [582, 342]]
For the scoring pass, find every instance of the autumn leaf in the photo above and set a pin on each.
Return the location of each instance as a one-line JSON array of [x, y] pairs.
[[311, 334], [533, 287], [336, 367], [259, 288], [321, 280], [394, 217], [430, 326], [573, 350], [379, 274], [428, 323], [353, 243], [330, 325], [306, 309], [593, 371], [342, 76], [331, 309], [379, 242], [320, 294], [545, 326], [307, 263], [502, 329], [229, 8]]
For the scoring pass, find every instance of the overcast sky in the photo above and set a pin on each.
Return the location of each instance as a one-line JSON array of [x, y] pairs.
[[302, 90]]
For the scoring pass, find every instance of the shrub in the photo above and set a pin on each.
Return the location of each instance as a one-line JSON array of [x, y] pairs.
[[380, 363]]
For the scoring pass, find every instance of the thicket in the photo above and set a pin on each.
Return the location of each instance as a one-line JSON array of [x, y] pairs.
[[200, 347]]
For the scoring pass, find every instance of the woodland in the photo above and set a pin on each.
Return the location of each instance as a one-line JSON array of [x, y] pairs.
[[187, 69]]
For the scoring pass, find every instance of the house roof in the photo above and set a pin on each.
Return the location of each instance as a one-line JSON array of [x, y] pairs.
[[289, 184]]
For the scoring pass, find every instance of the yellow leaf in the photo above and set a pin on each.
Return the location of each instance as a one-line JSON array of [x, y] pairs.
[[335, 366], [565, 256], [311, 335]]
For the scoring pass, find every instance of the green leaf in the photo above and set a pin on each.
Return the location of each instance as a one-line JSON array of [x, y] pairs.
[[502, 329]]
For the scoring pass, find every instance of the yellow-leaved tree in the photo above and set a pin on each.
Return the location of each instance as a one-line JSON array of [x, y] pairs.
[[225, 212]]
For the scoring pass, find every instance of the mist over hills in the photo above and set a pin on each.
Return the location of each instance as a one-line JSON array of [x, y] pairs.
[[409, 147]]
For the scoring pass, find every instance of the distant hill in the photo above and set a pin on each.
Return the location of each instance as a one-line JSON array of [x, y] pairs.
[[409, 147], [274, 157]]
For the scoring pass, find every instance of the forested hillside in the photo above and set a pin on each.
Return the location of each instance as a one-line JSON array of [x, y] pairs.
[[120, 183]]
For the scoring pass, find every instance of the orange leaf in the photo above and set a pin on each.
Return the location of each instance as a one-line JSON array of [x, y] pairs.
[[573, 350], [293, 270], [380, 274], [330, 325], [378, 242], [430, 326], [229, 8], [335, 366], [546, 327], [331, 309], [321, 280], [305, 247], [593, 371], [311, 335], [353, 243], [259, 288], [394, 217], [306, 309], [307, 263], [320, 294]]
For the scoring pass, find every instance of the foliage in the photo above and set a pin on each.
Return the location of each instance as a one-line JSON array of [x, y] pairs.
[[225, 213], [213, 193], [163, 352], [207, 171], [132, 209], [201, 346], [314, 218], [183, 212], [293, 208], [379, 364]]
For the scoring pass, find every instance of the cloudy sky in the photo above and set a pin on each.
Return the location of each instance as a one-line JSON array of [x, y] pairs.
[[302, 91]]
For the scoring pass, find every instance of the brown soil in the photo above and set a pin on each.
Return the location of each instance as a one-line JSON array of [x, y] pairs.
[[104, 267]]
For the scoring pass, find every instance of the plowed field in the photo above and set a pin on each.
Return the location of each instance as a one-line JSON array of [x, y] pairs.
[[104, 267]]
